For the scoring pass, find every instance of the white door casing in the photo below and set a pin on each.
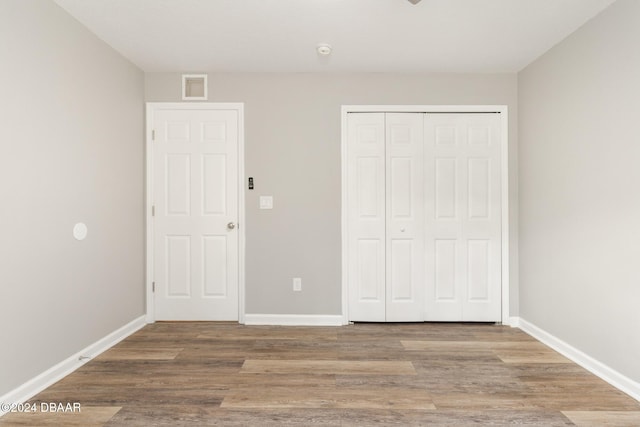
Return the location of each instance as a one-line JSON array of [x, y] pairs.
[[480, 247], [195, 239]]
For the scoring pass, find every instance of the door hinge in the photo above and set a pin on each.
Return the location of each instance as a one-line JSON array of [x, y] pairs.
[[153, 134], [153, 286], [153, 210]]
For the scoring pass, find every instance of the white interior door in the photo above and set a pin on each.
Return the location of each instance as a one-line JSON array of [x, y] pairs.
[[463, 217], [195, 198], [385, 242]]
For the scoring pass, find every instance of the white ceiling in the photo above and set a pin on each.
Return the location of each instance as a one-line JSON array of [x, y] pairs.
[[366, 35]]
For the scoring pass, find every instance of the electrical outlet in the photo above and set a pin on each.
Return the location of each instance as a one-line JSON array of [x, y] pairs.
[[297, 284]]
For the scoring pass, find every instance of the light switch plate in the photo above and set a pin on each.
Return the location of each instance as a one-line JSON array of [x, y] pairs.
[[266, 202]]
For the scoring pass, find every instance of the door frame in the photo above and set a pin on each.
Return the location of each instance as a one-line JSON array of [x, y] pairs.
[[504, 178], [151, 108]]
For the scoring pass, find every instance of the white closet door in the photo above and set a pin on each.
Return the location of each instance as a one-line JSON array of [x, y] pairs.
[[385, 240], [462, 228], [366, 216], [404, 217]]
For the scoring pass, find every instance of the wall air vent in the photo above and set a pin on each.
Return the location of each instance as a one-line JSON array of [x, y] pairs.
[[194, 87]]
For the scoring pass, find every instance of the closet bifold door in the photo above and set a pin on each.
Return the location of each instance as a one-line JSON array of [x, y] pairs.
[[463, 217], [404, 217], [385, 217], [366, 216]]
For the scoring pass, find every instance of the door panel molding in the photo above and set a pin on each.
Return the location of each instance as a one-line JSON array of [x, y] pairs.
[[212, 134], [479, 139]]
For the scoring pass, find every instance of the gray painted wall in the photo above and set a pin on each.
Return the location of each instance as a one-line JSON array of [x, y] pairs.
[[579, 192], [292, 149], [71, 143]]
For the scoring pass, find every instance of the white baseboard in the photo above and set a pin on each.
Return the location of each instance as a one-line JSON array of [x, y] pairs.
[[613, 377], [514, 322], [293, 320], [54, 374]]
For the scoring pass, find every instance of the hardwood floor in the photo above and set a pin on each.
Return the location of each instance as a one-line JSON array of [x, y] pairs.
[[203, 374]]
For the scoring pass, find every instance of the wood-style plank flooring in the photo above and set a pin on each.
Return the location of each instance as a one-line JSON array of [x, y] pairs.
[[203, 374]]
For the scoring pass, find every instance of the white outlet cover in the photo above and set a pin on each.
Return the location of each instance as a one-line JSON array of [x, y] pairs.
[[80, 231], [266, 202]]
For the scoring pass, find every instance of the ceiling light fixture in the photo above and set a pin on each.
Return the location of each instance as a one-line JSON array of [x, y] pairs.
[[414, 1], [323, 49]]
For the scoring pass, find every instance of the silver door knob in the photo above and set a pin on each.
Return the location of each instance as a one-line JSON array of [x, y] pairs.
[[231, 226]]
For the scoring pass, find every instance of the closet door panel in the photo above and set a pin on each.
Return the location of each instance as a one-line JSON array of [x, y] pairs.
[[462, 226], [404, 217], [366, 240], [482, 227]]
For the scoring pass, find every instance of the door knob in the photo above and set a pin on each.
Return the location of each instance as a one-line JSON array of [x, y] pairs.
[[231, 226]]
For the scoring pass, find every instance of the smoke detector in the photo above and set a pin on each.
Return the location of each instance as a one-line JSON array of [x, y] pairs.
[[323, 49]]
